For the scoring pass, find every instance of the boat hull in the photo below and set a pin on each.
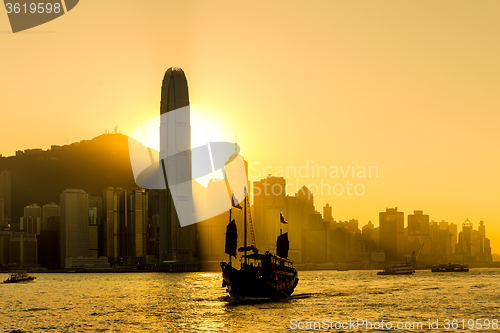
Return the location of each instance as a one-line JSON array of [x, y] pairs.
[[403, 269], [395, 273], [20, 280], [250, 282], [450, 268]]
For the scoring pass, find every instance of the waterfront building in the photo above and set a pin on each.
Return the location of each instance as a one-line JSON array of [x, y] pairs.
[[74, 235]]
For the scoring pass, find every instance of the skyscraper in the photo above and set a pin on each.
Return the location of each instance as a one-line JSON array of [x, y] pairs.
[[74, 234], [23, 248], [391, 224], [327, 213], [95, 227], [33, 210], [269, 197], [115, 222], [31, 225], [176, 243], [419, 232], [125, 225], [5, 194], [137, 224], [2, 214], [49, 210]]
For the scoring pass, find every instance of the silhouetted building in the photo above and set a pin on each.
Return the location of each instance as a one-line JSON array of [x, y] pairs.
[[453, 229], [370, 236], [23, 249], [33, 210], [3, 224], [115, 221], [327, 213], [295, 217], [137, 224], [212, 232], [54, 223], [465, 240], [125, 225], [49, 249], [391, 238], [49, 210], [96, 231], [419, 232], [315, 236], [5, 247], [74, 225], [269, 199], [31, 225], [176, 243], [445, 239], [31, 222], [344, 245], [6, 194], [483, 244]]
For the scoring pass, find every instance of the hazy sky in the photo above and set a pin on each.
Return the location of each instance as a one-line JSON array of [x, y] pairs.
[[411, 87]]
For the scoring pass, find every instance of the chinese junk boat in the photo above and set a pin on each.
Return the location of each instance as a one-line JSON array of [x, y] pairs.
[[450, 268], [260, 275], [19, 277]]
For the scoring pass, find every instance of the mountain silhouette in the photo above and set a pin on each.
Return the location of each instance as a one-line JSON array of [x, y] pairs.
[[92, 166]]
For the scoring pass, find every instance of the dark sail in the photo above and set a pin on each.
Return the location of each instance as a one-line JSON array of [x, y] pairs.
[[282, 245], [231, 238]]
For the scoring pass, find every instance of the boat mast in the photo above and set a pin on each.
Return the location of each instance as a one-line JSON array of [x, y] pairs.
[[230, 210], [245, 240]]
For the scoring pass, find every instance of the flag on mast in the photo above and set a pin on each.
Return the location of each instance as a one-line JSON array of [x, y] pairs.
[[235, 203], [282, 219]]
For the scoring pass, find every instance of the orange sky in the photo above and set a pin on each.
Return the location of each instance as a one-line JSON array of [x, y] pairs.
[[409, 87]]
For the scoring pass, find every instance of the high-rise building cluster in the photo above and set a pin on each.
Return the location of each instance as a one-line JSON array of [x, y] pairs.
[[124, 227], [82, 231]]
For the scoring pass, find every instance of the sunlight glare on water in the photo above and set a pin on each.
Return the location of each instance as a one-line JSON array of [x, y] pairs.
[[196, 302]]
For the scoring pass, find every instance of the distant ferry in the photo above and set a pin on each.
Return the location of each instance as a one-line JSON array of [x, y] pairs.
[[450, 268], [19, 277], [401, 269]]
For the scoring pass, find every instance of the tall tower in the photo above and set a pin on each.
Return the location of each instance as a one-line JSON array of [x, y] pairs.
[[6, 195], [115, 223], [391, 229], [74, 235], [49, 210], [176, 243]]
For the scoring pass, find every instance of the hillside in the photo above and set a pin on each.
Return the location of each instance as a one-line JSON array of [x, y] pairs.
[[89, 165]]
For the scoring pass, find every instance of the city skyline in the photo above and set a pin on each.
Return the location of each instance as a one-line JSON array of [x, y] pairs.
[[408, 88], [125, 233], [269, 190]]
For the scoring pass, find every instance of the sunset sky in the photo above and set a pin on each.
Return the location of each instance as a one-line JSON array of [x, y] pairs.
[[410, 87]]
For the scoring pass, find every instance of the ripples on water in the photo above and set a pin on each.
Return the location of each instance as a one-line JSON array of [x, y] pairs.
[[195, 302]]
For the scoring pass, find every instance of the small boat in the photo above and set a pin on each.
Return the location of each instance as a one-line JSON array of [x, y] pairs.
[[19, 277], [270, 276], [449, 268], [398, 269], [403, 269]]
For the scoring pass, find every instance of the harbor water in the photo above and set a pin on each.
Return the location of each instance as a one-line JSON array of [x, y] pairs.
[[195, 302]]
